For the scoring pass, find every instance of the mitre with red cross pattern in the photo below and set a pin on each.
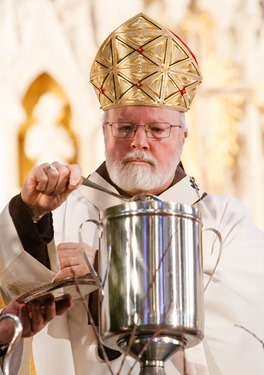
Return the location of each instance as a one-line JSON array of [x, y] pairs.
[[143, 63]]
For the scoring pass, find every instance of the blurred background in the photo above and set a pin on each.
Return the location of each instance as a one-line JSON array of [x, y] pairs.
[[48, 110]]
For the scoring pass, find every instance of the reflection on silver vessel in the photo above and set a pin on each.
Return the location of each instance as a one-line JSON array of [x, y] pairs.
[[150, 269], [18, 328]]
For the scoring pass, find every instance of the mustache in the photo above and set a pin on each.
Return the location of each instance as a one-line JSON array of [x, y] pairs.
[[139, 155]]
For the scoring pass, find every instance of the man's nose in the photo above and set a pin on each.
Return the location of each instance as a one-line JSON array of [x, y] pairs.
[[140, 140]]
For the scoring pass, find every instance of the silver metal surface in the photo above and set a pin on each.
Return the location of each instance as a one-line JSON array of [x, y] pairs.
[[76, 287], [152, 370], [16, 337], [91, 184], [150, 267], [139, 197]]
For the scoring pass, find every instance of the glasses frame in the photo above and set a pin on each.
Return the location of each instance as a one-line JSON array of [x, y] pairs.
[[144, 126]]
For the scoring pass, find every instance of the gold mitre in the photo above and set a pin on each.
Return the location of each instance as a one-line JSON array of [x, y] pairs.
[[143, 63]]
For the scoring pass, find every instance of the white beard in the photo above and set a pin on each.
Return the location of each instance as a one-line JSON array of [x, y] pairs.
[[139, 178]]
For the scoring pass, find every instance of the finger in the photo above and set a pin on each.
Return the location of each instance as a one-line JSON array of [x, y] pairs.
[[46, 176], [52, 178], [71, 261], [74, 249], [58, 178], [49, 311], [25, 318], [70, 257], [68, 246], [25, 321], [39, 175], [68, 261], [65, 273], [75, 177], [69, 177], [50, 167], [73, 271], [37, 319], [63, 304]]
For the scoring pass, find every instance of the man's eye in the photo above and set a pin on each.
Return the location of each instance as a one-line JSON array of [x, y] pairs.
[[156, 129], [125, 127]]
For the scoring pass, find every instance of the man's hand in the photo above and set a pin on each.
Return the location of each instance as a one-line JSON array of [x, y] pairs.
[[72, 262], [34, 316], [48, 186]]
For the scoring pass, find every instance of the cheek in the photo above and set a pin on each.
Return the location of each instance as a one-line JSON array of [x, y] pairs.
[[115, 150], [170, 153]]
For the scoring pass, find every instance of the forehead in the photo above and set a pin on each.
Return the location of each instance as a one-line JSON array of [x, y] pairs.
[[139, 113]]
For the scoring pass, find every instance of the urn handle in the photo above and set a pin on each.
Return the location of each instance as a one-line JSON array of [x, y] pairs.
[[17, 335], [94, 273]]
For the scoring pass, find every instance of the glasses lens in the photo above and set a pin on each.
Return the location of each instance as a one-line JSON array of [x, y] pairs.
[[158, 130], [155, 130], [123, 129]]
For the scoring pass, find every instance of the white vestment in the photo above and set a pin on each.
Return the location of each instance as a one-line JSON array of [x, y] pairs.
[[234, 299]]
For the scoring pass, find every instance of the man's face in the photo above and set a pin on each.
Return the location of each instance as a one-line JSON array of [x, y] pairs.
[[142, 164]]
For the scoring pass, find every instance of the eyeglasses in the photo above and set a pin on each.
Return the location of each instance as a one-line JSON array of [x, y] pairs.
[[154, 130]]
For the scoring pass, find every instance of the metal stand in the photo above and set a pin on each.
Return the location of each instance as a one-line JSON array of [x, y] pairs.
[[151, 352], [152, 368]]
